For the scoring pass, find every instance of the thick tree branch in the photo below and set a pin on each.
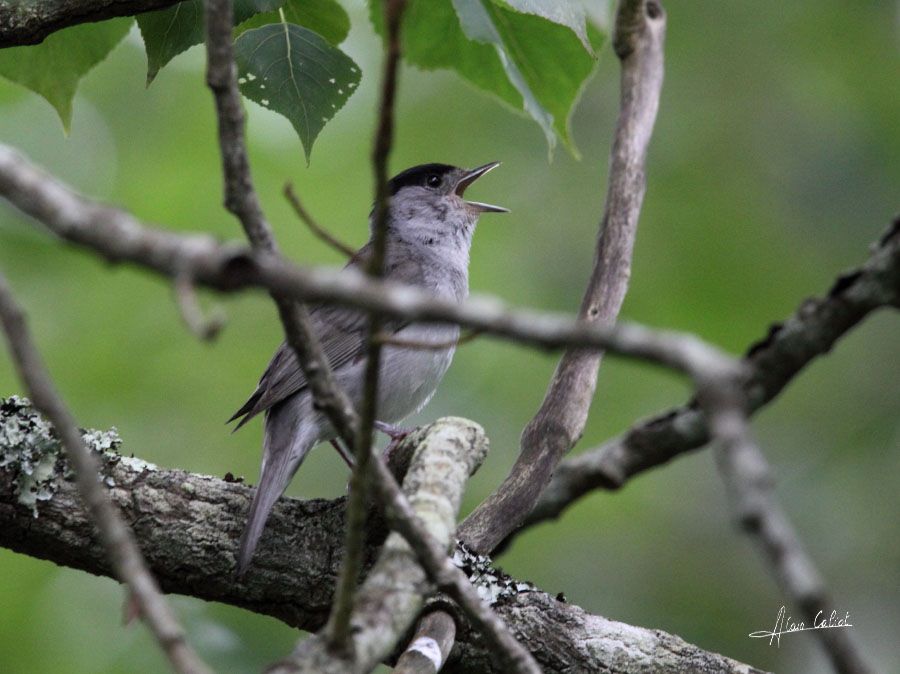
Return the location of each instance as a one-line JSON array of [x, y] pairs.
[[749, 481], [773, 362], [187, 526], [559, 423], [119, 545], [29, 22]]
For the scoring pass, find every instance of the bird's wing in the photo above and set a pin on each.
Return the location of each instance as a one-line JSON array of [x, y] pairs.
[[342, 336], [342, 333]]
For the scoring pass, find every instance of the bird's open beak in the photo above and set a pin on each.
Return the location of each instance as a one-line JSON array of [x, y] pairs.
[[470, 177]]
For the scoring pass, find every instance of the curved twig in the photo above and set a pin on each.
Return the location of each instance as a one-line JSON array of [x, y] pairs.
[[314, 226], [638, 41]]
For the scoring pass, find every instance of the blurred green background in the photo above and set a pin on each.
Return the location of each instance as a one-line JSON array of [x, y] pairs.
[[775, 162]]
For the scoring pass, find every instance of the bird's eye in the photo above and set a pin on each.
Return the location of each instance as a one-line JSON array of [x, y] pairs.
[[433, 180]]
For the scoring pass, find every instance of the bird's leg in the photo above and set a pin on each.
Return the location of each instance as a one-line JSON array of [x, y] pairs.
[[345, 455], [393, 432]]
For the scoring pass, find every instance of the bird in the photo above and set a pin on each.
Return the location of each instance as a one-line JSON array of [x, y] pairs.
[[429, 235]]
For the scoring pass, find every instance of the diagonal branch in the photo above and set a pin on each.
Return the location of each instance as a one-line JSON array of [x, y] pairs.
[[749, 482], [774, 361], [313, 225], [241, 200], [120, 546], [119, 237], [339, 623], [557, 426]]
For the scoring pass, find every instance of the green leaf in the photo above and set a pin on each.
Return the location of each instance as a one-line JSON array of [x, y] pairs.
[[54, 67], [530, 62], [325, 17], [296, 73], [168, 32], [569, 14]]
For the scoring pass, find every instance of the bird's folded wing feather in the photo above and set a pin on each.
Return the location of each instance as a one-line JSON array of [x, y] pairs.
[[342, 334]]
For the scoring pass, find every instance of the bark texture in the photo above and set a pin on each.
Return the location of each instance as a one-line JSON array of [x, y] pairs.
[[188, 525]]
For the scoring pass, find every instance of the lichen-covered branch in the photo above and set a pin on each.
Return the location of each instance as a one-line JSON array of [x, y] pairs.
[[773, 362], [188, 525], [30, 22], [556, 427], [511, 656]]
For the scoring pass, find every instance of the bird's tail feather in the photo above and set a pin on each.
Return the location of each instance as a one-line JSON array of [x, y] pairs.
[[285, 447]]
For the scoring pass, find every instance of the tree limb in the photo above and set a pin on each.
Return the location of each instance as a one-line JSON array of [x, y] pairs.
[[430, 646], [187, 526], [557, 426], [773, 362], [23, 23]]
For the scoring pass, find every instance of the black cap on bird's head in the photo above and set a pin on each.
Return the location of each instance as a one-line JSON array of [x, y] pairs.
[[445, 179]]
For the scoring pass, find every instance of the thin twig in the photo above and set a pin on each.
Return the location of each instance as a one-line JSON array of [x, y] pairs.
[[390, 340], [314, 226], [773, 361], [638, 41], [204, 327], [748, 478], [339, 622], [121, 548]]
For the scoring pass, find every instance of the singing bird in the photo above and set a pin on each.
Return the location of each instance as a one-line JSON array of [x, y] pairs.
[[429, 229]]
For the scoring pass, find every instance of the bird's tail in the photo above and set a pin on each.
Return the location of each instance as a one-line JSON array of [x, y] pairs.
[[288, 439]]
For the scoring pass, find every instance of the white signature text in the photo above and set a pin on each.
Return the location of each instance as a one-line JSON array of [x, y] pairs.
[[784, 624]]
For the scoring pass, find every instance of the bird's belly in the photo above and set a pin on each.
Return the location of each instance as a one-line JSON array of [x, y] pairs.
[[408, 376]]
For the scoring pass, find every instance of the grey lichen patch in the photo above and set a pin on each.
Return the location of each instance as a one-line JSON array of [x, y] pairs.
[[31, 451], [492, 584]]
